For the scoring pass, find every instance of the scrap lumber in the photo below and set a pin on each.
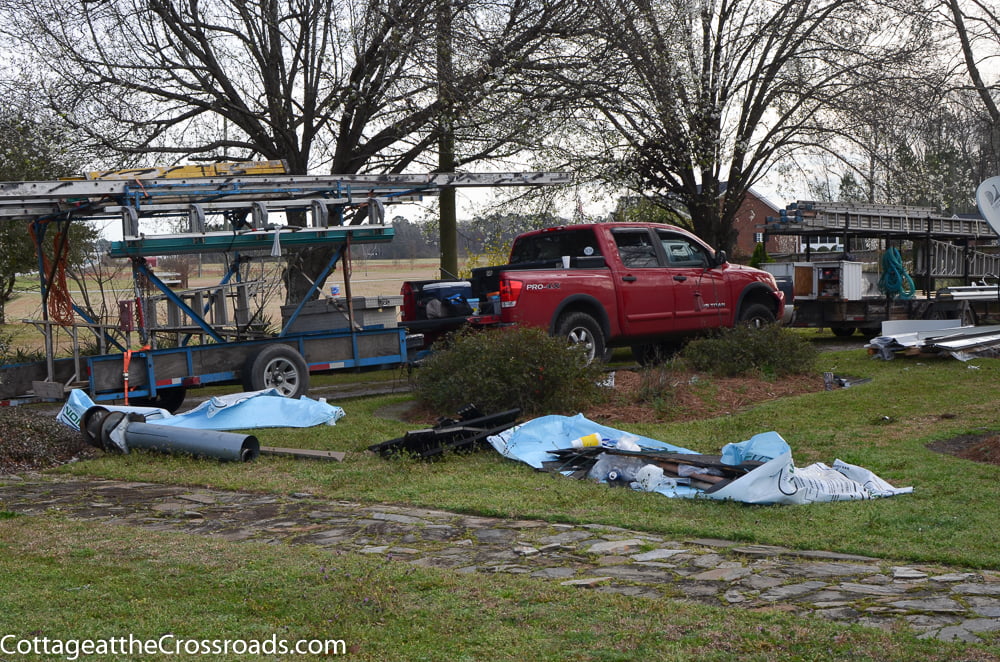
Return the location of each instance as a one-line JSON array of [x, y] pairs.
[[303, 453], [579, 461]]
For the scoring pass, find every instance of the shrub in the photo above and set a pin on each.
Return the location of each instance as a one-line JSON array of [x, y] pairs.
[[658, 387], [759, 256], [770, 351], [501, 369], [11, 353]]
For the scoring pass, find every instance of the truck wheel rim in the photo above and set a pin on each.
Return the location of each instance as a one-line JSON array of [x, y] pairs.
[[281, 374], [580, 336]]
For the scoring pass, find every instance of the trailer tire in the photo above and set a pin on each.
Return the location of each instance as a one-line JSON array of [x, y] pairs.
[[756, 315], [843, 331], [582, 329], [170, 399], [279, 367]]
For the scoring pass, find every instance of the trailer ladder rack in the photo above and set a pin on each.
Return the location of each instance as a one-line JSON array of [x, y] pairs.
[[820, 218]]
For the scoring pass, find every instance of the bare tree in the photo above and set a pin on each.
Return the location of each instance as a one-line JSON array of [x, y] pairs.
[[334, 85], [927, 134], [975, 25], [708, 95]]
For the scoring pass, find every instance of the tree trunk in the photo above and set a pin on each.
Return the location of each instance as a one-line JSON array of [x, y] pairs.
[[448, 222], [302, 267]]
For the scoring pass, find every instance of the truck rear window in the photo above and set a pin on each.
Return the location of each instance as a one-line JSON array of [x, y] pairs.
[[551, 246]]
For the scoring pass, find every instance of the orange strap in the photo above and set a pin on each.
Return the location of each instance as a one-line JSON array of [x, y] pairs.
[[126, 360]]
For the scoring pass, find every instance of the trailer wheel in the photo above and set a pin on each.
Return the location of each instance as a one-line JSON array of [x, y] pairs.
[[582, 329], [756, 316], [170, 399], [279, 367], [843, 331]]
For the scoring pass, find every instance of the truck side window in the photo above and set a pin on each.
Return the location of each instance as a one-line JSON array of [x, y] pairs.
[[550, 247], [636, 249], [682, 252]]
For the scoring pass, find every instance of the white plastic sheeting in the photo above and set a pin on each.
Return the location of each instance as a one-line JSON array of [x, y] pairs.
[[777, 481], [237, 411]]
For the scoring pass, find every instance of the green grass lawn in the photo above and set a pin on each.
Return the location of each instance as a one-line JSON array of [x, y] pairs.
[[152, 584]]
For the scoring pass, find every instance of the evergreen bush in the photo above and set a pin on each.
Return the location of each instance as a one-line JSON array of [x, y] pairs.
[[770, 351], [500, 369]]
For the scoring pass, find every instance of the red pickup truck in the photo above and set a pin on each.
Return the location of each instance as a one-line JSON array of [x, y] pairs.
[[644, 285]]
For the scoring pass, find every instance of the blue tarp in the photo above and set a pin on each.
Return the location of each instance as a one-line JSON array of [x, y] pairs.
[[238, 411], [533, 440]]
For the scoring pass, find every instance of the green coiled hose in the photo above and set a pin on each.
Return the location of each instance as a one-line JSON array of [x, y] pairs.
[[895, 281]]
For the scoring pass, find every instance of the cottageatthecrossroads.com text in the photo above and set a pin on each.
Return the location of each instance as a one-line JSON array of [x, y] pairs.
[[168, 644]]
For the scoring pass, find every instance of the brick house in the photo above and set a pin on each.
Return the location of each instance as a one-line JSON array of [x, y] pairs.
[[749, 224]]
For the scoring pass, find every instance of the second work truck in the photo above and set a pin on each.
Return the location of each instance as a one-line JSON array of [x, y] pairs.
[[643, 285]]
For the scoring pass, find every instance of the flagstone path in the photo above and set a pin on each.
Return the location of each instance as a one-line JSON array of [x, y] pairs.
[[933, 601]]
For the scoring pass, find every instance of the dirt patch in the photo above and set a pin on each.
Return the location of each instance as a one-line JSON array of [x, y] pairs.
[[665, 396], [32, 439], [976, 447]]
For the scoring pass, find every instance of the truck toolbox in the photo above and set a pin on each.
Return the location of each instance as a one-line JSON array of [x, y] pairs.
[[331, 314]]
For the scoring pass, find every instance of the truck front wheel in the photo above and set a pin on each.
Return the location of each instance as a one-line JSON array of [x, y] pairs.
[[582, 329], [279, 367], [756, 315]]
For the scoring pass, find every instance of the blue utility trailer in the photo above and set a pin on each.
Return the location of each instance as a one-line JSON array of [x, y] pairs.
[[207, 344]]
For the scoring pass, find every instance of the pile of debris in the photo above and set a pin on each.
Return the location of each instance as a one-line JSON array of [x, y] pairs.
[[936, 337], [759, 470], [646, 469]]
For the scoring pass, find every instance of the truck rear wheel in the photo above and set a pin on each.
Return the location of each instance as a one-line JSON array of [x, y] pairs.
[[582, 329], [756, 315], [279, 367], [843, 331]]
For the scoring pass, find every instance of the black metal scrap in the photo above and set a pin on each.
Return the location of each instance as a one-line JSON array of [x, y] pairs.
[[468, 432]]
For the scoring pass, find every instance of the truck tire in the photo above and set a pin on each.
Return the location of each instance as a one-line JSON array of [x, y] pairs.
[[279, 367], [582, 329], [842, 331], [756, 315]]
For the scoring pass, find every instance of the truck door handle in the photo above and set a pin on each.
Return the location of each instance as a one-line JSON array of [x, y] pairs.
[[629, 279], [680, 279]]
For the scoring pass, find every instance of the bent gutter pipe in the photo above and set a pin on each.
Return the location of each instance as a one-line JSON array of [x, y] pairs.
[[117, 432]]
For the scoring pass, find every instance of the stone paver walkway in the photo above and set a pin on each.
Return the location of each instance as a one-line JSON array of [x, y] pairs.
[[939, 602]]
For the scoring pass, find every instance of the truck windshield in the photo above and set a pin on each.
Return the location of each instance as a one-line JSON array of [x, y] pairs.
[[551, 246]]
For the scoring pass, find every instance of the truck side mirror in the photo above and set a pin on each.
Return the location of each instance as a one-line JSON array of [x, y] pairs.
[[721, 258]]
